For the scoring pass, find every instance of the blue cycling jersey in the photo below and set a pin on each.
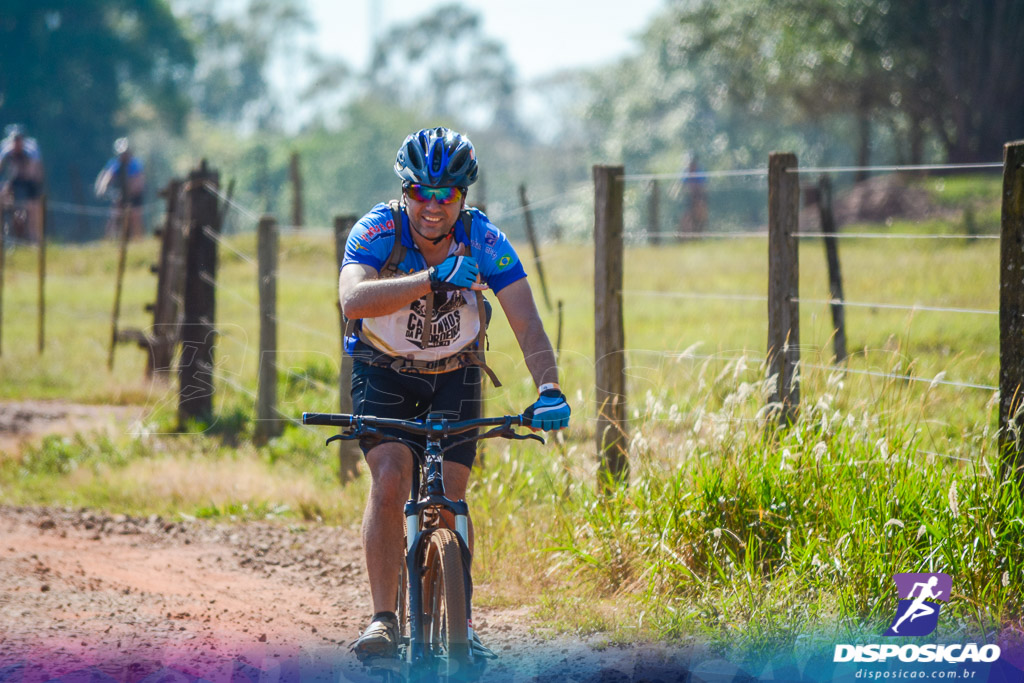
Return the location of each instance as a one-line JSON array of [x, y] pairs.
[[455, 321]]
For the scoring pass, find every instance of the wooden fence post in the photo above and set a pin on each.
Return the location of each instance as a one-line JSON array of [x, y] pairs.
[[481, 192], [349, 454], [169, 286], [41, 340], [654, 214], [195, 369], [1011, 316], [268, 423], [558, 336], [835, 275], [3, 261], [296, 174], [783, 282], [532, 236], [609, 335], [119, 284]]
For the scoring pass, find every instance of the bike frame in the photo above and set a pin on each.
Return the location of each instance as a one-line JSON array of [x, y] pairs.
[[432, 468], [428, 471]]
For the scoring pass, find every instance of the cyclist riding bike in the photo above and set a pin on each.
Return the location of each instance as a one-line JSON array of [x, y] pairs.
[[21, 168], [412, 282], [124, 180]]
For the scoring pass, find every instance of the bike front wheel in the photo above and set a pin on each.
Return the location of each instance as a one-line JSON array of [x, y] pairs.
[[444, 603]]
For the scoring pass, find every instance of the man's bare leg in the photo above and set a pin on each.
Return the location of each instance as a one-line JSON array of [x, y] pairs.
[[383, 522]]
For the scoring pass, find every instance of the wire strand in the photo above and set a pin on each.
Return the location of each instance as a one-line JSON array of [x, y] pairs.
[[695, 295], [215, 191], [749, 173], [918, 167], [892, 236], [736, 234], [538, 203], [913, 307], [212, 234], [908, 378]]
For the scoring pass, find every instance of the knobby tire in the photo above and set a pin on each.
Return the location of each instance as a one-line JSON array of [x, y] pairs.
[[444, 603]]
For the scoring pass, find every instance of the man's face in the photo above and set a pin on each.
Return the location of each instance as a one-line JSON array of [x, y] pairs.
[[19, 143], [430, 217]]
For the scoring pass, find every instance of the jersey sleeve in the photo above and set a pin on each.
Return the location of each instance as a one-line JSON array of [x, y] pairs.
[[499, 263], [371, 239]]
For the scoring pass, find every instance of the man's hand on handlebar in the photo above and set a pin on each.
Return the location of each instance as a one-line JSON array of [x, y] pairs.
[[549, 412]]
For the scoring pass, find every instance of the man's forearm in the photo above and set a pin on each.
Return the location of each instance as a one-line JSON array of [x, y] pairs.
[[539, 355], [373, 298]]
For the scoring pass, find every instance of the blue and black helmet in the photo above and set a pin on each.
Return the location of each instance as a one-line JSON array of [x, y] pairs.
[[438, 157]]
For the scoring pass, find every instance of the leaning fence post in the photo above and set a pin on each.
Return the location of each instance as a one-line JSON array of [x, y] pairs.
[[195, 367], [267, 423], [125, 221], [835, 276], [609, 335], [348, 452], [654, 214], [3, 260], [531, 234], [42, 275], [783, 282], [1011, 315], [296, 176]]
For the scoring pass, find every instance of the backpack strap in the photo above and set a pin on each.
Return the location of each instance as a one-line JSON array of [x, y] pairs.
[[390, 268]]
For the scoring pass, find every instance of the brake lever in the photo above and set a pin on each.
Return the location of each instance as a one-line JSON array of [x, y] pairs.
[[523, 437], [347, 436]]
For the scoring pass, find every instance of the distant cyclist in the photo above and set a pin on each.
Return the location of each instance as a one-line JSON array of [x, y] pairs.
[[124, 179], [412, 278], [21, 168]]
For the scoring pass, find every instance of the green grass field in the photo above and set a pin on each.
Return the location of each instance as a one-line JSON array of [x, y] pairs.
[[730, 531]]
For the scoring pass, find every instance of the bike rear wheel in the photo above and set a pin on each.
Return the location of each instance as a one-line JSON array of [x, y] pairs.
[[444, 603]]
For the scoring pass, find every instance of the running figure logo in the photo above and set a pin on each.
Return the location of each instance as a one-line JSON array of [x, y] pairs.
[[917, 615]]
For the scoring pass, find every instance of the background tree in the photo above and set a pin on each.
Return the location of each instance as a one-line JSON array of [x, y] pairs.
[[235, 47], [443, 65], [909, 70]]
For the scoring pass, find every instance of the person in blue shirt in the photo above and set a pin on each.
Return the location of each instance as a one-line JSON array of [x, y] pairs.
[[124, 180], [417, 342]]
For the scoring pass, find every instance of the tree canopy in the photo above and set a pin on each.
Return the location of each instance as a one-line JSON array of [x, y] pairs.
[[838, 81]]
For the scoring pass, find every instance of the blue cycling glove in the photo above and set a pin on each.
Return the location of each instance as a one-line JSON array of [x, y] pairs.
[[550, 411], [455, 272]]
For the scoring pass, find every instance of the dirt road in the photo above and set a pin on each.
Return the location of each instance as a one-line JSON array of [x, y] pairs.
[[139, 599]]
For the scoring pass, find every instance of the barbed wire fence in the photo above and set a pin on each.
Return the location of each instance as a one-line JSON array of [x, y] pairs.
[[782, 234], [646, 226]]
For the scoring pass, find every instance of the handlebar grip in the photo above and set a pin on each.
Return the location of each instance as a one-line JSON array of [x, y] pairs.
[[327, 419]]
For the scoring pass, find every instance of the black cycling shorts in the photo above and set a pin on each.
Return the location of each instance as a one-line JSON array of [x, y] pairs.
[[383, 392], [24, 189]]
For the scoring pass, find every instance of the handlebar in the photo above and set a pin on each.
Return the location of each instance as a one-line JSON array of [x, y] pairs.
[[431, 427]]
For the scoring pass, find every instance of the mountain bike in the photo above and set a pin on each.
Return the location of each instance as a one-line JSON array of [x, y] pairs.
[[435, 584]]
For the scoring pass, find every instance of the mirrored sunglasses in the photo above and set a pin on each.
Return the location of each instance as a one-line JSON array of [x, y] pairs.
[[442, 195]]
